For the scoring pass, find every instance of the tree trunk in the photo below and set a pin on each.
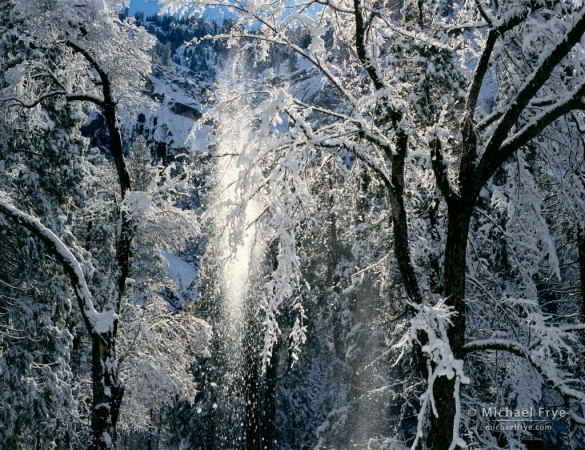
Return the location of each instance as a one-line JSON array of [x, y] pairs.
[[396, 197], [108, 390], [401, 243], [459, 217], [435, 263]]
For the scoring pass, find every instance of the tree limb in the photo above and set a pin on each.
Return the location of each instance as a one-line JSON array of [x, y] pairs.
[[34, 103], [480, 71], [63, 255], [487, 166], [491, 157], [560, 386], [106, 86], [440, 171]]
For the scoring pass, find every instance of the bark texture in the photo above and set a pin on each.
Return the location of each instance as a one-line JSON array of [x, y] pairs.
[[108, 391]]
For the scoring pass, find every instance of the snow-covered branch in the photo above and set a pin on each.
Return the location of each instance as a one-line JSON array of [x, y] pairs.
[[66, 258], [33, 103], [105, 79], [480, 72], [542, 367], [517, 104], [48, 95], [532, 129]]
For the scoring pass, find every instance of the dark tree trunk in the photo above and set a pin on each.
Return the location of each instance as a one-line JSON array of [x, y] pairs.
[[401, 243], [399, 223], [333, 261], [434, 263], [151, 437], [108, 390], [459, 217], [455, 267]]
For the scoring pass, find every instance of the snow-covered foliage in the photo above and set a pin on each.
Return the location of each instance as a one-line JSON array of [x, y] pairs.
[[94, 27], [393, 246], [431, 101], [87, 214], [158, 346]]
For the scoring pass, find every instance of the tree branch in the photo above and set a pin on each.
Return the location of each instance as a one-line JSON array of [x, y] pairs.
[[34, 103], [480, 71], [126, 227], [484, 14], [102, 74], [63, 255], [496, 30], [358, 154], [365, 60], [85, 98], [487, 166], [440, 171], [283, 41], [560, 386], [69, 97], [516, 106]]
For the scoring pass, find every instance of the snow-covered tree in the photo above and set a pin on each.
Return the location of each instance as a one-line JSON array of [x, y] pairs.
[[84, 53], [433, 98]]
